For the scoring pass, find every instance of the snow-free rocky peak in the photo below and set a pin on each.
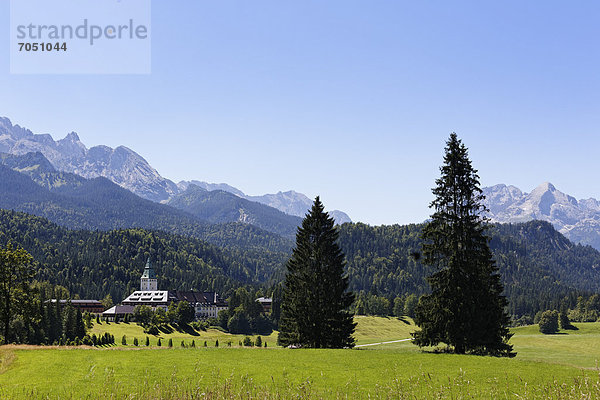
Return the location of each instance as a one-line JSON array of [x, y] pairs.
[[578, 220]]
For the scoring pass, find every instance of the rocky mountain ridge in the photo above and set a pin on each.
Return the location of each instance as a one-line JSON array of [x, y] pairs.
[[129, 170], [578, 220]]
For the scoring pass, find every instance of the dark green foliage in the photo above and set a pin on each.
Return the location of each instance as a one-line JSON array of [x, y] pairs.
[[170, 344], [248, 341], [549, 322], [564, 322], [466, 308], [587, 309], [258, 342], [539, 266], [217, 343], [372, 304], [244, 315], [183, 344], [193, 343], [124, 340], [152, 330], [315, 306], [218, 206], [16, 273], [94, 264], [143, 314], [135, 341], [147, 341], [159, 343], [398, 309], [410, 305], [185, 313], [238, 323]]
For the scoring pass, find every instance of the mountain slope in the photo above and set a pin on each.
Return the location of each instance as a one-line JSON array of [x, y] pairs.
[[218, 206], [128, 169], [100, 204], [578, 220], [122, 165], [290, 202]]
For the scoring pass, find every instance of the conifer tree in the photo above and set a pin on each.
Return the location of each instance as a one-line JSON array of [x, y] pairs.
[[79, 325], [466, 308], [16, 273], [315, 306]]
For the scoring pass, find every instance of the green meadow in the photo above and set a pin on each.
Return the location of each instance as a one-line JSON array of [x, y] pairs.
[[558, 366]]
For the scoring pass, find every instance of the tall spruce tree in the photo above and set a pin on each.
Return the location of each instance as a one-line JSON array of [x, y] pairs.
[[466, 308], [315, 305]]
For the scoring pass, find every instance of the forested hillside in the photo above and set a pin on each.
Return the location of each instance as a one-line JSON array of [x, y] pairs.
[[218, 206], [538, 265], [94, 264], [98, 204]]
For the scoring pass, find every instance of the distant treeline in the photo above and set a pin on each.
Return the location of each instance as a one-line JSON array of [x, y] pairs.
[[540, 268]]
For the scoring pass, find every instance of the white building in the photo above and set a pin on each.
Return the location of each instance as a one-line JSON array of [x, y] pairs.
[[206, 304]]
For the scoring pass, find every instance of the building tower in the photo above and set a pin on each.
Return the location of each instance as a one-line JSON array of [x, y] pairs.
[[148, 281]]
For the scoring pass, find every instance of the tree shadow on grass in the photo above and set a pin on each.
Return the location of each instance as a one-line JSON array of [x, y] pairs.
[[187, 329], [165, 329], [403, 319], [571, 328]]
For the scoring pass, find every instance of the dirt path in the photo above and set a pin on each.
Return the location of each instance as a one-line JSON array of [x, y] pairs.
[[376, 344]]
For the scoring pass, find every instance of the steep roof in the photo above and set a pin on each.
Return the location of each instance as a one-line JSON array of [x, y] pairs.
[[148, 271]]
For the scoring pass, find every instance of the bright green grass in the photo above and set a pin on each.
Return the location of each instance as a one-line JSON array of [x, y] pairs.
[[378, 329], [546, 367], [356, 373], [579, 348], [369, 330], [132, 330]]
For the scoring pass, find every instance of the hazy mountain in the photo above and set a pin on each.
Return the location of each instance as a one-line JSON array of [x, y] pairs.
[[99, 204], [122, 165], [578, 220], [129, 170], [218, 206], [290, 202], [183, 185]]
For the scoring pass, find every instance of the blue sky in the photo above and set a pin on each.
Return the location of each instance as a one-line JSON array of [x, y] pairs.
[[351, 100]]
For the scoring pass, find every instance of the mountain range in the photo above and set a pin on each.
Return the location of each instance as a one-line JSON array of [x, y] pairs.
[[63, 165], [30, 184], [129, 170], [578, 220]]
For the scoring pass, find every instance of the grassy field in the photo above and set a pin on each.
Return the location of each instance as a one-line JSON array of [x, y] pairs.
[[210, 336], [556, 366], [369, 330]]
